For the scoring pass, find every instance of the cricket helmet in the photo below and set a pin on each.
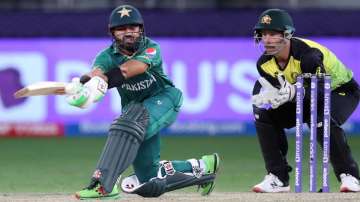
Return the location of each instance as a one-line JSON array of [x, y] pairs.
[[277, 20], [125, 15]]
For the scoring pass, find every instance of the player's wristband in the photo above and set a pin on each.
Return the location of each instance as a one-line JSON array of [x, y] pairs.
[[115, 78]]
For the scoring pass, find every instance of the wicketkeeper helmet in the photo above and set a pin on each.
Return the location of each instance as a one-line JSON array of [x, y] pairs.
[[277, 20]]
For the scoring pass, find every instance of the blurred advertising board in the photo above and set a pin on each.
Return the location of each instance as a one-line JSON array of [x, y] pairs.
[[216, 76], [33, 129]]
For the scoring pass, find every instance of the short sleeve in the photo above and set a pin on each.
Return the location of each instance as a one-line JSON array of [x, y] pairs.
[[102, 61], [151, 56]]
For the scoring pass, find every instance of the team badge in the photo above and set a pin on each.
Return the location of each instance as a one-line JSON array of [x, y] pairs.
[[124, 12], [151, 52], [266, 19]]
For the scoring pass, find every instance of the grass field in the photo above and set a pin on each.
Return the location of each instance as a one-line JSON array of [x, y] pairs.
[[64, 165]]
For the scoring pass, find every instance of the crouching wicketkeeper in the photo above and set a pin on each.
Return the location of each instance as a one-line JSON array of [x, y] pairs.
[[283, 59]]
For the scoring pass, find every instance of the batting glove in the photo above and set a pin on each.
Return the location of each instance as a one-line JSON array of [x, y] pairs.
[[83, 96], [97, 87], [74, 86], [77, 94]]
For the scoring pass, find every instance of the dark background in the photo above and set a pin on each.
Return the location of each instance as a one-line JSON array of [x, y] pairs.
[[175, 18]]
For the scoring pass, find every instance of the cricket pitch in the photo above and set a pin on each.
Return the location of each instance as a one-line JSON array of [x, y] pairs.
[[179, 196]]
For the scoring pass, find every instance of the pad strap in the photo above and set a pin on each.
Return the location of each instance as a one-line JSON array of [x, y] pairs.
[[196, 167], [167, 167]]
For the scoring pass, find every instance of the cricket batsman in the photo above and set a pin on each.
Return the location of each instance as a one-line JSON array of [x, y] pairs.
[[133, 65], [284, 57]]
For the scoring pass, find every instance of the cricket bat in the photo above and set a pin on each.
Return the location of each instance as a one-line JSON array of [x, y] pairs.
[[42, 88]]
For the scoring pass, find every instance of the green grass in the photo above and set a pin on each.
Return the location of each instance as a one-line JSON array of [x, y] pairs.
[[66, 164]]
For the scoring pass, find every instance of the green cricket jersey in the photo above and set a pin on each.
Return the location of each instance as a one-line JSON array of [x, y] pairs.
[[141, 86], [305, 57]]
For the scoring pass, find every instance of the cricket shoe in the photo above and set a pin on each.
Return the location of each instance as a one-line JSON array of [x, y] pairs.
[[212, 163], [271, 184], [97, 192], [349, 183]]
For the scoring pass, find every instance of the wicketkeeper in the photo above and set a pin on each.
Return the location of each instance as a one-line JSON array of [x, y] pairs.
[[150, 102], [284, 58]]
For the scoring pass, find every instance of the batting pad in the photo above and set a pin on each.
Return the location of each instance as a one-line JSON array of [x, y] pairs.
[[125, 136], [158, 186]]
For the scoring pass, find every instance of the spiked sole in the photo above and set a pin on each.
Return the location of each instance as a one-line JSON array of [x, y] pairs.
[[108, 197], [346, 190], [259, 190]]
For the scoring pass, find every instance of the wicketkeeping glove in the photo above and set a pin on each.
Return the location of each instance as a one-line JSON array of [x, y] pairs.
[[287, 91], [285, 94], [267, 95]]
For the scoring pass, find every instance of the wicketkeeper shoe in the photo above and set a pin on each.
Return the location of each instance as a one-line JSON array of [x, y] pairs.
[[212, 166], [97, 192], [349, 183], [271, 184]]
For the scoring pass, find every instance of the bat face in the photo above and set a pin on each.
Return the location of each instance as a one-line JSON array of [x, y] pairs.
[[42, 88]]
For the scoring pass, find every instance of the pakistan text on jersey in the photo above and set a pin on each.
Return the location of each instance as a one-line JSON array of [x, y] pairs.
[[141, 85]]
